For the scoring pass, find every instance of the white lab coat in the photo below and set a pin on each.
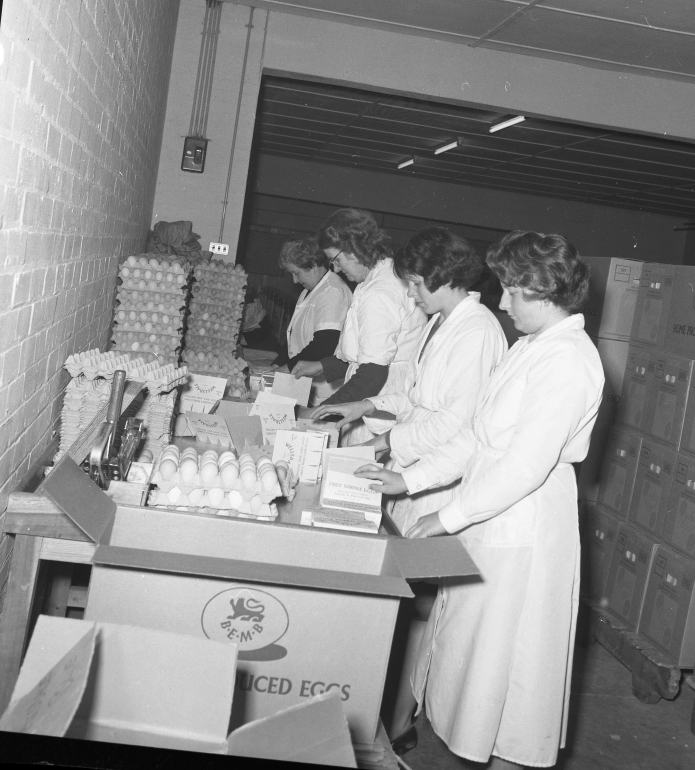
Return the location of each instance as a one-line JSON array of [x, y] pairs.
[[382, 326], [439, 395], [324, 307], [497, 654]]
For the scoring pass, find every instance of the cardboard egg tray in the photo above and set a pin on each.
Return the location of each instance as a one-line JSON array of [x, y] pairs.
[[197, 483], [160, 499], [130, 285]]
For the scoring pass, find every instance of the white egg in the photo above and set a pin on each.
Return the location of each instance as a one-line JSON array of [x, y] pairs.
[[167, 468], [174, 494], [226, 457], [235, 500], [188, 469], [229, 474], [208, 472], [248, 478], [256, 503], [196, 495], [269, 481], [215, 496]]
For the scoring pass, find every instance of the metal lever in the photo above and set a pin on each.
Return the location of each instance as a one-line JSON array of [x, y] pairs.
[[101, 450]]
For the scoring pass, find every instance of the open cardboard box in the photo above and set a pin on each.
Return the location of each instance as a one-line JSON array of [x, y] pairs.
[[310, 610], [121, 684]]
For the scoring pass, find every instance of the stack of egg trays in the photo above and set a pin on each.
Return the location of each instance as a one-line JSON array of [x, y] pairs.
[[149, 317], [247, 493], [216, 309]]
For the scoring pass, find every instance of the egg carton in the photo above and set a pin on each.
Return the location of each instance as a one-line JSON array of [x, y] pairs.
[[128, 307], [159, 498], [167, 341], [94, 363]]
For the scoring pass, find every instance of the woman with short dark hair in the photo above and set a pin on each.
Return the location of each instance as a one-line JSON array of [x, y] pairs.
[[497, 653], [314, 329], [382, 326]]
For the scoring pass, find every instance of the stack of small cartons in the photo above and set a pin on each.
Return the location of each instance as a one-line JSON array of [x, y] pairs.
[[638, 483], [216, 308], [90, 389]]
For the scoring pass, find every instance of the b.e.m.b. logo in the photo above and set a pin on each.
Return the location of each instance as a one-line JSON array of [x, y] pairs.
[[253, 619]]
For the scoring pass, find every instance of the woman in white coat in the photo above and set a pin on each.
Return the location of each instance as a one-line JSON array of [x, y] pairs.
[[314, 329], [457, 352], [382, 326], [496, 658]]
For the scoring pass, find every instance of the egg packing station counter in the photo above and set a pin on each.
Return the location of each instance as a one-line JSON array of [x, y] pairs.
[[284, 593]]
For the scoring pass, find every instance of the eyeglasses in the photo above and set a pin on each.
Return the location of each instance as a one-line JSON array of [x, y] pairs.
[[331, 260]]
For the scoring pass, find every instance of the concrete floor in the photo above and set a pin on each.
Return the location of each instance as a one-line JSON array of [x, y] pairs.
[[609, 728]]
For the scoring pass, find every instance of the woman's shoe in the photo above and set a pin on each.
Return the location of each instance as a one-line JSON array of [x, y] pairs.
[[405, 742]]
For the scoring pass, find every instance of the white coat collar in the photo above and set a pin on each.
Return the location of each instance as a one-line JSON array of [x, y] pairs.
[[574, 321]]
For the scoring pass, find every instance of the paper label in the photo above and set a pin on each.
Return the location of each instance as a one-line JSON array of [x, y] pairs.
[[210, 429], [302, 452], [342, 489], [287, 385], [201, 393]]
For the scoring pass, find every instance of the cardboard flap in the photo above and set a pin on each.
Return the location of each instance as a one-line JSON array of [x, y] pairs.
[[256, 572], [245, 430], [88, 506], [315, 732], [52, 679], [431, 557]]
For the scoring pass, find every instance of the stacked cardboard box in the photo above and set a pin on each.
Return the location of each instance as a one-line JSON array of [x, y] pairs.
[[645, 491]]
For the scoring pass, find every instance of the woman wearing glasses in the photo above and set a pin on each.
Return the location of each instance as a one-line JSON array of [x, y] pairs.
[[383, 324], [314, 329]]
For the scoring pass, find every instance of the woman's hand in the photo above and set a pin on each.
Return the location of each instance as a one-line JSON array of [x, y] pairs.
[[427, 526], [307, 369], [350, 412], [392, 483]]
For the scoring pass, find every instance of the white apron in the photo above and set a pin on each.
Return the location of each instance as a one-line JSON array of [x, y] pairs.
[[495, 662], [382, 327], [442, 382], [324, 307]]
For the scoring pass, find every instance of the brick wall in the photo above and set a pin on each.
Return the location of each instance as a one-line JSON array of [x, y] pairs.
[[83, 90]]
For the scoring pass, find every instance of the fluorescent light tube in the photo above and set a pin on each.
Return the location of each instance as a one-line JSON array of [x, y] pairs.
[[506, 124], [405, 163], [446, 147]]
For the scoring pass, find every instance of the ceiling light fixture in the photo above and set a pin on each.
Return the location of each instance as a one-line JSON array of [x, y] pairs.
[[449, 146], [405, 163], [506, 124]]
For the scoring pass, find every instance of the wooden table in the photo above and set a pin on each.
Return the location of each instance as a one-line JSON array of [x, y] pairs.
[[43, 533]]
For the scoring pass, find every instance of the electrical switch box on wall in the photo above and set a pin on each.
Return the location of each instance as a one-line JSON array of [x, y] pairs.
[[194, 152]]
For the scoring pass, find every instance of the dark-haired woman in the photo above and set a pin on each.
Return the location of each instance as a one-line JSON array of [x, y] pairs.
[[382, 326], [455, 356], [314, 329], [497, 655]]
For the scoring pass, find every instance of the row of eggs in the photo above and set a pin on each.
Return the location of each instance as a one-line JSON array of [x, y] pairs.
[[220, 266], [209, 465], [151, 306], [131, 296], [235, 364], [123, 316], [203, 293], [143, 261], [213, 498], [171, 282], [153, 331]]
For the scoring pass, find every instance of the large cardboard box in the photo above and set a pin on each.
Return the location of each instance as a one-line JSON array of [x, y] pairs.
[[687, 442], [599, 536], [120, 684], [619, 469], [668, 612], [627, 574], [613, 290], [656, 471], [679, 522], [589, 474], [680, 329], [667, 396], [310, 610], [613, 354], [633, 407], [653, 304]]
